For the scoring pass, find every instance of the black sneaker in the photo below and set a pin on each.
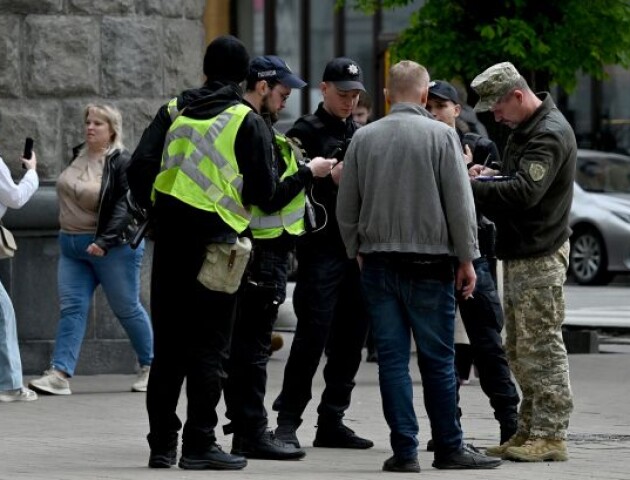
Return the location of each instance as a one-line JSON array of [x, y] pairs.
[[287, 432], [265, 447], [339, 436], [408, 465], [467, 457], [163, 459], [212, 459]]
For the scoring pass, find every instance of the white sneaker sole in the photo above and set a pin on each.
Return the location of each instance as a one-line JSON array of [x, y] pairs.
[[21, 398], [48, 390]]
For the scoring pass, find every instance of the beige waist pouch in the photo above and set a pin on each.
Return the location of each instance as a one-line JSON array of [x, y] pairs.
[[224, 265]]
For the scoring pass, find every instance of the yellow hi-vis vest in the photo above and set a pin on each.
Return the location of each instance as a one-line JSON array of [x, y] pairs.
[[291, 216], [199, 165]]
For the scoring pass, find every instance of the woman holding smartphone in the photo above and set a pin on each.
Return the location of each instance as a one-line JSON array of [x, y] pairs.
[[13, 196]]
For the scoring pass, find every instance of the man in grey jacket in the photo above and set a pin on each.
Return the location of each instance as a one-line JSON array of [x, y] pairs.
[[405, 208]]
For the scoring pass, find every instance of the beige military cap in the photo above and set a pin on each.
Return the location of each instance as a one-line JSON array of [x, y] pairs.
[[493, 83]]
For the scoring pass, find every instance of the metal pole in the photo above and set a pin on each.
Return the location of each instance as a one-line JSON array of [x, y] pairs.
[[305, 55], [339, 31], [270, 27], [378, 68]]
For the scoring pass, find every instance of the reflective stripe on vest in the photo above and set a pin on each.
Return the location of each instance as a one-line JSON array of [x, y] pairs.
[[171, 107], [290, 218], [199, 165]]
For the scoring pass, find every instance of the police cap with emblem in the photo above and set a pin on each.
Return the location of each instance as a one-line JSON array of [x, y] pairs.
[[494, 83], [344, 73], [272, 68]]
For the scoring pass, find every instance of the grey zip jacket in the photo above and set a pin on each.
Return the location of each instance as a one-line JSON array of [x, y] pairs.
[[405, 188]]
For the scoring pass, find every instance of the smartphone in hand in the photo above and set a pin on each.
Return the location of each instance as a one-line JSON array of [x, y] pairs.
[[28, 149]]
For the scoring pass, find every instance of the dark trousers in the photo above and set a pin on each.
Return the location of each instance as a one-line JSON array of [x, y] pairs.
[[192, 329], [330, 315], [262, 292], [483, 320]]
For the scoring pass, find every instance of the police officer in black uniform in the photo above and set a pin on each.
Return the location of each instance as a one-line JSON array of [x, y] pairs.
[[482, 314], [327, 297]]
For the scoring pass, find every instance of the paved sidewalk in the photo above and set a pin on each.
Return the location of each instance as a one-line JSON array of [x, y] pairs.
[[99, 432]]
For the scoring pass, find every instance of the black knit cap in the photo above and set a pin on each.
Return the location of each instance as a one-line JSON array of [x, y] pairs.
[[226, 58]]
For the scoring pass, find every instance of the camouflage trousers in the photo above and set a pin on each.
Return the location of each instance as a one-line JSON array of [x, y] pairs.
[[534, 311]]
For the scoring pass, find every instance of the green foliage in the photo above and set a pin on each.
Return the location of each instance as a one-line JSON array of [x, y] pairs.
[[556, 39]]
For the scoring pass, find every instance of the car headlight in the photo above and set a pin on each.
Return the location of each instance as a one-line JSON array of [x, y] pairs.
[[625, 216]]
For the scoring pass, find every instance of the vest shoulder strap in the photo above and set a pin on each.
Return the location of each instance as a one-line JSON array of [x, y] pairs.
[[296, 148]]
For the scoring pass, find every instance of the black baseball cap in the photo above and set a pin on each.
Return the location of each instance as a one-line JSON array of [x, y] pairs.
[[271, 67], [345, 73], [443, 90]]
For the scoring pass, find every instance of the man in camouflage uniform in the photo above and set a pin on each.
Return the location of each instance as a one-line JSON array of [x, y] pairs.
[[531, 212]]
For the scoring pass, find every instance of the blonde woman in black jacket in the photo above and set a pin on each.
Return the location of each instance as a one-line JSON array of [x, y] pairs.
[[94, 250]]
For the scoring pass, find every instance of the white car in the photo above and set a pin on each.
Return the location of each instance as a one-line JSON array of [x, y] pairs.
[[600, 217]]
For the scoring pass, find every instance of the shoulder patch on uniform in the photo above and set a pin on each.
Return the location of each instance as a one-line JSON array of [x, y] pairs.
[[537, 171]]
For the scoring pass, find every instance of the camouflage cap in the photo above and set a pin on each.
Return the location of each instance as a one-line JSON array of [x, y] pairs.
[[493, 83]]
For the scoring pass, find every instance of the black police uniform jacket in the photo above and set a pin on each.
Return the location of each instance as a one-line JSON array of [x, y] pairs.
[[322, 134]]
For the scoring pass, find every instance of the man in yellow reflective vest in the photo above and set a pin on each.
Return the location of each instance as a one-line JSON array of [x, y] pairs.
[[274, 226], [200, 165]]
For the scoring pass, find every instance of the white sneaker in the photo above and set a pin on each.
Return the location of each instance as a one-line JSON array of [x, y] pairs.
[[140, 385], [51, 382], [19, 395]]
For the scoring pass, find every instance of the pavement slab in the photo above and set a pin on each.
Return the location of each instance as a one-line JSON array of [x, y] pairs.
[[99, 431]]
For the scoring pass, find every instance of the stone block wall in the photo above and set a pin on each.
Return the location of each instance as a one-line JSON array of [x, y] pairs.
[[58, 55], [55, 57]]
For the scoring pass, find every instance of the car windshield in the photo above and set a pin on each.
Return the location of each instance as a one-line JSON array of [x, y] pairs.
[[604, 174]]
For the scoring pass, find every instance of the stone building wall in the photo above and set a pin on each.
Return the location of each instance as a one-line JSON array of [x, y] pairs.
[[58, 55], [55, 57]]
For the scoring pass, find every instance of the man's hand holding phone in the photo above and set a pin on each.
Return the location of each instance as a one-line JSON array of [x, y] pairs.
[[321, 167]]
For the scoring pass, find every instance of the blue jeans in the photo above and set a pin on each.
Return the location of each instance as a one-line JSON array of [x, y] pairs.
[[401, 303], [10, 362], [78, 275]]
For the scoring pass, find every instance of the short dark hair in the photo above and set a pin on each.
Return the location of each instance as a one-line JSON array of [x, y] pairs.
[[250, 83], [364, 100]]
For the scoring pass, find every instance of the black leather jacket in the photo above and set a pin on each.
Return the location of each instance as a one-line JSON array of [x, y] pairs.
[[114, 225]]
